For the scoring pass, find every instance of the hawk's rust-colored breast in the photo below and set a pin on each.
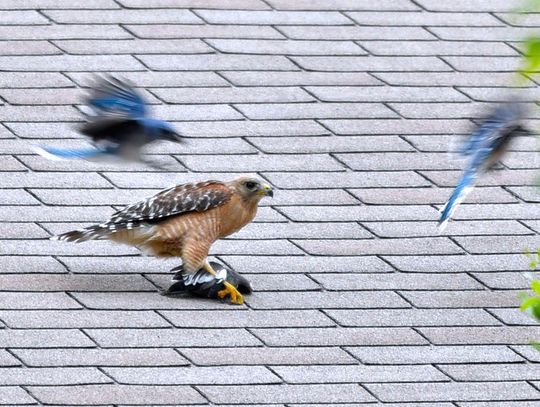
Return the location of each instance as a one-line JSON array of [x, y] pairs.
[[209, 225], [235, 214]]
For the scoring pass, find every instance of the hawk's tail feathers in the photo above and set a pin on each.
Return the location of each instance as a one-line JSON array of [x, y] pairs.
[[95, 232]]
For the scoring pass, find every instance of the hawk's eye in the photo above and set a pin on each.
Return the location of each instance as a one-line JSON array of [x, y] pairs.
[[251, 185]]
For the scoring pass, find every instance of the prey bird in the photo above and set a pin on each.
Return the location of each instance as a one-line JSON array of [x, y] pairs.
[[204, 284], [184, 221], [485, 147], [118, 124]]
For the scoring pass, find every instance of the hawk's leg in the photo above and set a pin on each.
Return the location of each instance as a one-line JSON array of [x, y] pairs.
[[236, 297]]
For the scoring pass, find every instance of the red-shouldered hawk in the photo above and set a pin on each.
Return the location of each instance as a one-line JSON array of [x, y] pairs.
[[184, 220]]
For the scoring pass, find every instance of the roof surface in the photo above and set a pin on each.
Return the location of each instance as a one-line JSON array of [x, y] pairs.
[[347, 107]]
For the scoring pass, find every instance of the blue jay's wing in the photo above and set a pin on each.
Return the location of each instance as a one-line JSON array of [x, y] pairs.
[[498, 147], [113, 97], [53, 153], [500, 123], [479, 136]]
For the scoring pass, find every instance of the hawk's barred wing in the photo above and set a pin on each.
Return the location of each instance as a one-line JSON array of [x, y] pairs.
[[174, 201], [180, 199]]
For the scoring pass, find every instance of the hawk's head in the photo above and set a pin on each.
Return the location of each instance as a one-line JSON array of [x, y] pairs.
[[251, 188]]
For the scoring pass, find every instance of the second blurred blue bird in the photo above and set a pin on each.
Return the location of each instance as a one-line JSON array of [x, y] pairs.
[[485, 147], [117, 124]]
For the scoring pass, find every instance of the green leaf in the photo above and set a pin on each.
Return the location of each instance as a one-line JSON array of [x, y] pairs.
[[529, 303], [535, 286], [535, 345], [534, 258], [535, 311], [532, 55], [529, 6]]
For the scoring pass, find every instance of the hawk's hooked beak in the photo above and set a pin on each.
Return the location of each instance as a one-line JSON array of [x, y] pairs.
[[266, 190]]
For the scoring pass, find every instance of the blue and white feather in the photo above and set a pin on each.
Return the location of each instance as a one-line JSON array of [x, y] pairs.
[[485, 147]]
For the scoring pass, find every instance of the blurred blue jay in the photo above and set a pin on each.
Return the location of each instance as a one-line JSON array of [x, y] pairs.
[[118, 124], [485, 147]]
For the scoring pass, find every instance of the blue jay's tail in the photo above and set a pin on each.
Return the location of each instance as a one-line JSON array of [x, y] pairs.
[[464, 186], [66, 154]]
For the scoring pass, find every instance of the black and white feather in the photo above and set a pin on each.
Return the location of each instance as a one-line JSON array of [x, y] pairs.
[[204, 284]]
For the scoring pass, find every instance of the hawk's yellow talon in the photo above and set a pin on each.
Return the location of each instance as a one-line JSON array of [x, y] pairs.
[[236, 297]]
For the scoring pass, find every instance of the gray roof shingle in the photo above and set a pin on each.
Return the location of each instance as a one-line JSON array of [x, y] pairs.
[[347, 107]]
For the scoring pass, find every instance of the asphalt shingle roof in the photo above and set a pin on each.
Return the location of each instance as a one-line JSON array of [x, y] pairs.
[[347, 107]]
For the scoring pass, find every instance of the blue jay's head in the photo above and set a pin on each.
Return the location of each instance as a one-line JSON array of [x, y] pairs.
[[162, 130]]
